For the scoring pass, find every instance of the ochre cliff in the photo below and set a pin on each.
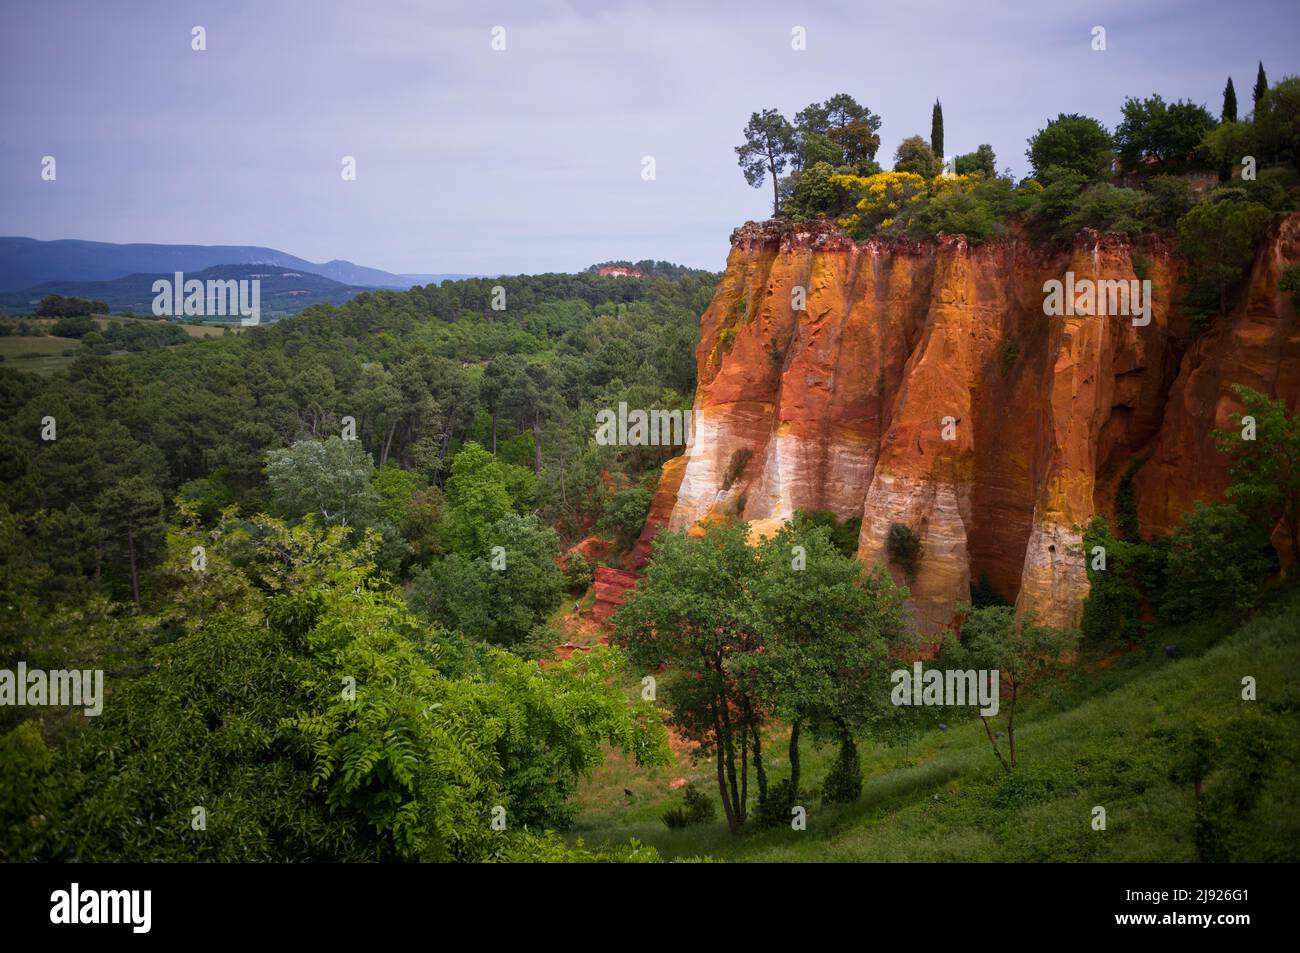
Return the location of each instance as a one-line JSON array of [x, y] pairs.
[[841, 406]]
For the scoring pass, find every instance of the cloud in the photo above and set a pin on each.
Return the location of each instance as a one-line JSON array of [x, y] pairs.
[[530, 159]]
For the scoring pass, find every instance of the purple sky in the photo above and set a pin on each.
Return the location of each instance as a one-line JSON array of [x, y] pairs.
[[529, 160]]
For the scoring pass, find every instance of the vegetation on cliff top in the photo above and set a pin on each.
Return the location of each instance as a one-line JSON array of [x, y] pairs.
[[1136, 179]]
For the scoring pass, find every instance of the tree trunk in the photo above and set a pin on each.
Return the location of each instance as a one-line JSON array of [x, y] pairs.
[[537, 448], [994, 742], [794, 758], [730, 754], [745, 731], [135, 575], [388, 443], [494, 433], [1011, 726], [759, 771], [776, 198], [722, 777], [1293, 524]]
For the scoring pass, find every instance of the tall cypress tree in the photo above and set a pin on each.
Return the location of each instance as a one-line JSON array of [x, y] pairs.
[[936, 130], [1261, 85], [1229, 102]]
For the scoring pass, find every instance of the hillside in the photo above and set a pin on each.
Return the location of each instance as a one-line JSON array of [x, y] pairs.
[[283, 291], [1101, 739], [25, 262]]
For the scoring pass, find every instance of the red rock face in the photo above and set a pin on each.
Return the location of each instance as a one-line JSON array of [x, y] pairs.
[[924, 384], [610, 587]]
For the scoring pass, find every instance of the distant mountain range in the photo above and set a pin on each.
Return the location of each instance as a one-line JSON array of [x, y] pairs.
[[283, 290], [26, 263]]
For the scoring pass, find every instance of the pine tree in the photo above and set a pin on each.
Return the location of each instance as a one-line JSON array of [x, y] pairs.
[[1261, 85], [936, 130], [1229, 102]]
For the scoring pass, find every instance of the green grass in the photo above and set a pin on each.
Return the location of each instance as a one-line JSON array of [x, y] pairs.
[[1091, 741], [47, 355], [43, 355]]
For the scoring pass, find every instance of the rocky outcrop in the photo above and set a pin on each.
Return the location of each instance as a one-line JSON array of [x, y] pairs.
[[924, 384], [609, 589]]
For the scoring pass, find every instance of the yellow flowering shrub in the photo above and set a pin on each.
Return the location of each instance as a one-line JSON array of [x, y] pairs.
[[880, 199], [953, 183]]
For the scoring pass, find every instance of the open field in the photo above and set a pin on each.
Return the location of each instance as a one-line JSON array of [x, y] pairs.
[[47, 354], [43, 355]]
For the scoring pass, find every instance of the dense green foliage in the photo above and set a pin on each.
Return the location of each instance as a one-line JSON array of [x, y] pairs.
[[1220, 557], [309, 717], [330, 469], [60, 306]]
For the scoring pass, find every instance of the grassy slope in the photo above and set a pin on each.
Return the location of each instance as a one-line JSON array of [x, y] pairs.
[[1092, 742]]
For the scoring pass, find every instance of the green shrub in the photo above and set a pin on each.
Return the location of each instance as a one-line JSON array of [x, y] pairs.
[[71, 327], [774, 810], [1218, 560], [1133, 576], [1290, 281], [844, 783], [625, 514], [954, 211], [579, 574], [843, 535], [1108, 209], [812, 193], [696, 808], [1169, 198]]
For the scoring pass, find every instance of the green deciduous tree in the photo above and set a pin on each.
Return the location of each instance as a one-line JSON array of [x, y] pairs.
[[330, 480], [319, 721], [982, 160], [828, 635], [1070, 141], [476, 499], [1025, 654], [497, 595], [1218, 559], [690, 617], [1166, 134], [1218, 241], [915, 155], [1265, 471]]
